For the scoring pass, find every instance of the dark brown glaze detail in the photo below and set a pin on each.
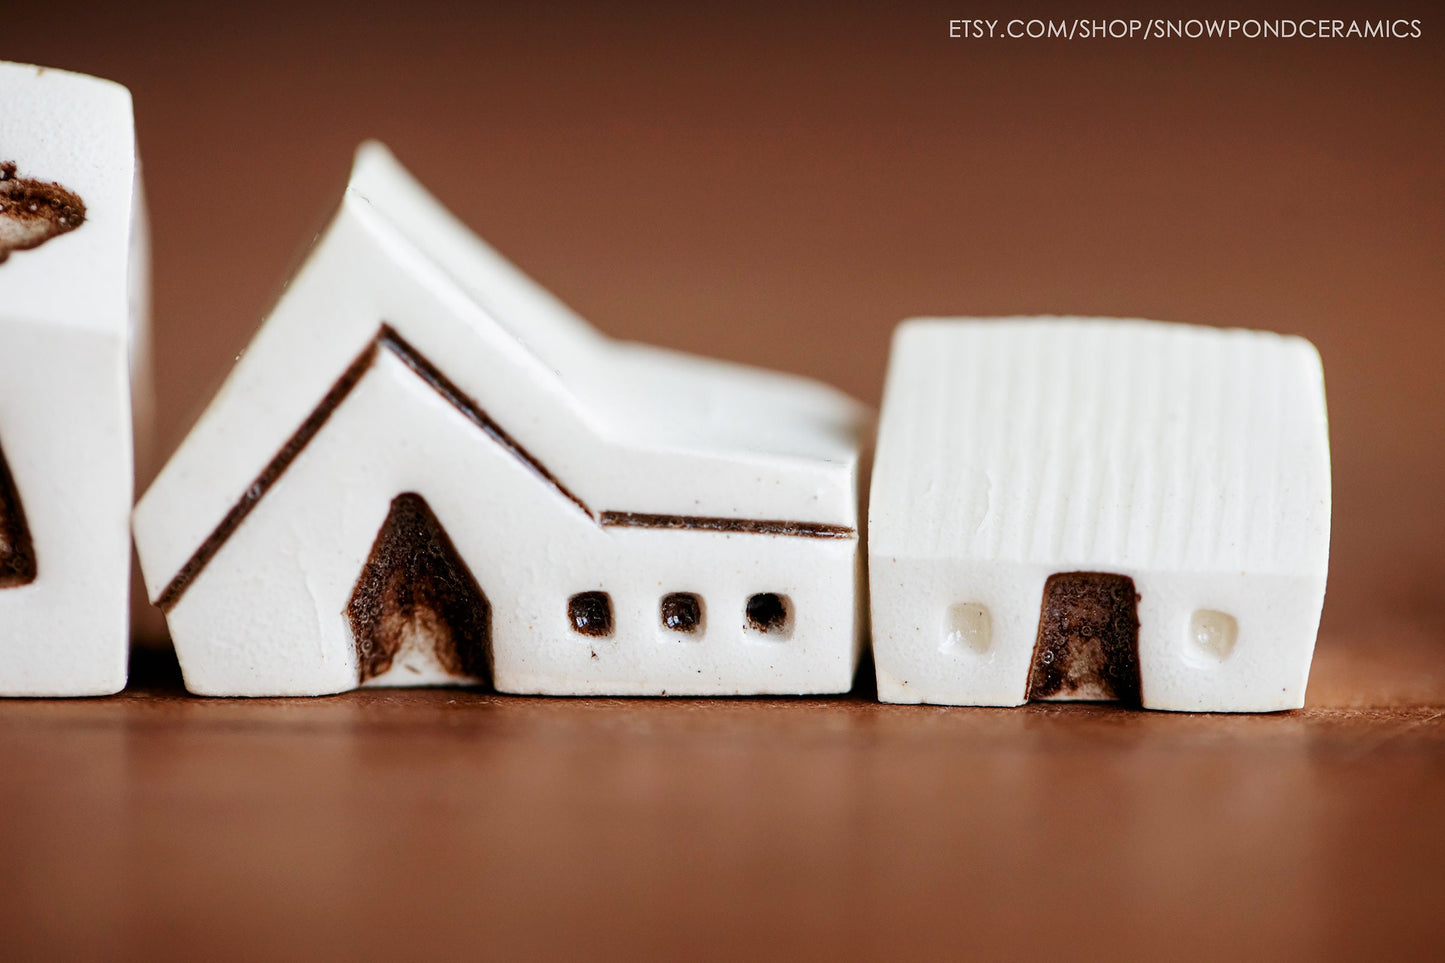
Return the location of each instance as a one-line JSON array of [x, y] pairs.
[[1088, 638], [268, 477], [17, 552], [415, 586], [32, 212], [745, 525], [767, 612], [591, 613], [429, 373], [388, 338], [681, 612]]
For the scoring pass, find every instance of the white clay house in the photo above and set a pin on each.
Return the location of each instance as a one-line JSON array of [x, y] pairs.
[[425, 469], [1087, 509], [73, 303]]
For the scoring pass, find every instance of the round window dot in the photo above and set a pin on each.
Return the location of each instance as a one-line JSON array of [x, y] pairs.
[[768, 612]]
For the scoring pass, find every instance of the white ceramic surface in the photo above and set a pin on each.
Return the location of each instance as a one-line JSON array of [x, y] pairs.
[[72, 329], [412, 358], [1193, 460]]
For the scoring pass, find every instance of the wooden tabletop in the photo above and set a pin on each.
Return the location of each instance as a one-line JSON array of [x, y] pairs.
[[460, 824], [780, 187]]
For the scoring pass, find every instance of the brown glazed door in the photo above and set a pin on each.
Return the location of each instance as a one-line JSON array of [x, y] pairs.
[[1088, 642], [415, 589], [17, 554]]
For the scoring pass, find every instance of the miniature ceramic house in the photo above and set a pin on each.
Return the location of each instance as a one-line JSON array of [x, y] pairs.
[[427, 470], [1071, 509], [73, 262]]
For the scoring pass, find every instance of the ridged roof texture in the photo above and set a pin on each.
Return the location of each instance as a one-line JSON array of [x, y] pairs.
[[1103, 444]]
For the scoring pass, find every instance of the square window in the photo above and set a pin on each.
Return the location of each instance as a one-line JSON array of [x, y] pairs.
[[591, 613], [1213, 633], [682, 612], [969, 628]]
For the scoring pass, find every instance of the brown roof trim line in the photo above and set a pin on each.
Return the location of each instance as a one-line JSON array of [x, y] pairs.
[[202, 556], [745, 525], [387, 337], [428, 372]]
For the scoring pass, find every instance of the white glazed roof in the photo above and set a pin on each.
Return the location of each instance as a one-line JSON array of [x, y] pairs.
[[1103, 444], [622, 428], [635, 392]]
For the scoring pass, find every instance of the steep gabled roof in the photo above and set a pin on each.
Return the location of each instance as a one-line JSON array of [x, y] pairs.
[[628, 434], [633, 392]]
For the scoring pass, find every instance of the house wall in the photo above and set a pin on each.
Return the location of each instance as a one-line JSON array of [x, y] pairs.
[[925, 652], [67, 632]]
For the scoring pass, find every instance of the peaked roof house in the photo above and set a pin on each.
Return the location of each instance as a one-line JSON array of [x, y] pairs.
[[73, 312], [426, 470], [1067, 508]]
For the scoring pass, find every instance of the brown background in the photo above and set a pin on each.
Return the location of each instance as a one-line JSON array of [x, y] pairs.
[[780, 187]]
